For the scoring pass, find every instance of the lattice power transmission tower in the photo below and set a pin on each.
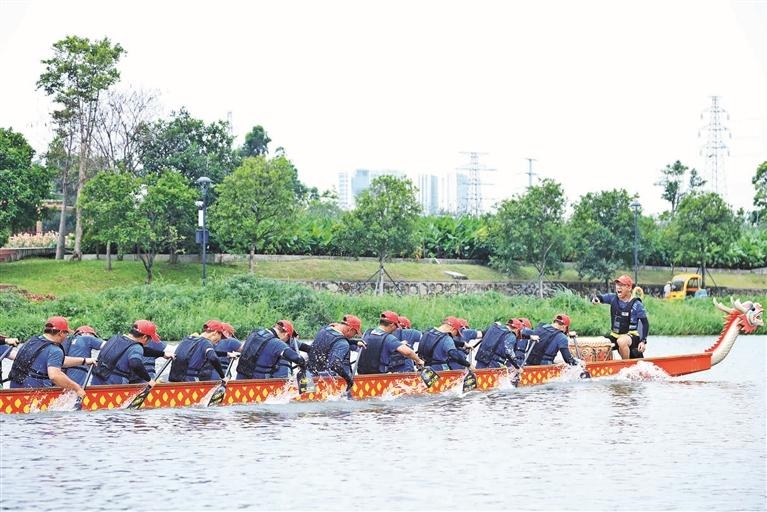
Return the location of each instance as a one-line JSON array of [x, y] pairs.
[[473, 203], [715, 149]]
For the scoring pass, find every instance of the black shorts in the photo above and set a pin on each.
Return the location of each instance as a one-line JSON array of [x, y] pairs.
[[634, 352], [634, 340]]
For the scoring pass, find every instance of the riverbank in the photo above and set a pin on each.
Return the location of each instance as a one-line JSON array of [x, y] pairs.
[[248, 301], [50, 277]]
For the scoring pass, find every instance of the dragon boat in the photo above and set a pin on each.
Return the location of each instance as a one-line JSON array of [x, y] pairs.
[[741, 317]]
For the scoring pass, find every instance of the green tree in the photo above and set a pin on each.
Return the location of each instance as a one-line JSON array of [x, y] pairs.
[[383, 223], [673, 183], [704, 228], [531, 228], [255, 207], [760, 194], [602, 233], [75, 76], [187, 145], [256, 142], [108, 202], [163, 219], [23, 184]]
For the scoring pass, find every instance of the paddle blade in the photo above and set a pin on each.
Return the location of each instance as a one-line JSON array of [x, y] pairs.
[[138, 400], [469, 381], [218, 395], [428, 376], [305, 382]]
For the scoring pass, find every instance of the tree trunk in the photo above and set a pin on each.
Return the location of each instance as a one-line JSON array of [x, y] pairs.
[[147, 258], [109, 255], [60, 241], [251, 257], [380, 282], [77, 254], [540, 286]]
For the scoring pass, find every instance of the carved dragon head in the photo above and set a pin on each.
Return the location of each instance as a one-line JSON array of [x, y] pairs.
[[748, 313]]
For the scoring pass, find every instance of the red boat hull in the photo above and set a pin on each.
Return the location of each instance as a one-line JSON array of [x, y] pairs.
[[184, 394]]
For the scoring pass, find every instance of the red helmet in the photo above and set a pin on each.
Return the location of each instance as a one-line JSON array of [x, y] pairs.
[[458, 324], [287, 326], [85, 329], [391, 317], [146, 328], [515, 323], [353, 322], [229, 330], [404, 322], [57, 323], [526, 322], [564, 320]]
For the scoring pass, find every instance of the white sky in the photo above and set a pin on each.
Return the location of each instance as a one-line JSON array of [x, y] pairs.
[[602, 94]]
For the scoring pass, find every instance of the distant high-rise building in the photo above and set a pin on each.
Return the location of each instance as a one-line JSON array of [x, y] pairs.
[[463, 192], [360, 181], [428, 193], [350, 187]]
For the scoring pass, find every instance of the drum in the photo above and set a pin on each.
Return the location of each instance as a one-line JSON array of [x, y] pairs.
[[593, 350]]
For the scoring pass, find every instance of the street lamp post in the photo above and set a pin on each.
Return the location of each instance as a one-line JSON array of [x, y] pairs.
[[202, 233], [635, 205]]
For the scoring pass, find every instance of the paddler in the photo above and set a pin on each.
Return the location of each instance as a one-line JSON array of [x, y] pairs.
[[39, 362], [439, 345], [330, 351], [81, 344], [384, 352], [196, 350], [122, 357], [264, 351]]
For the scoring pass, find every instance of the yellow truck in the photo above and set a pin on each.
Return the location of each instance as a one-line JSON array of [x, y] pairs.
[[684, 286]]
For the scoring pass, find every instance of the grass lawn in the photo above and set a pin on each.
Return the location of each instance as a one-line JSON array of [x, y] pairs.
[[46, 276]]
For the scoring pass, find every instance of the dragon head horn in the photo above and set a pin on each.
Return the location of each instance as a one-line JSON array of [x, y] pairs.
[[743, 308], [722, 307]]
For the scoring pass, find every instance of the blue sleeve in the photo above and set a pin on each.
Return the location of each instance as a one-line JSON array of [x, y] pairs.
[[468, 334], [55, 357], [392, 344], [607, 298], [510, 344], [638, 311], [339, 354], [564, 349], [136, 353], [93, 342]]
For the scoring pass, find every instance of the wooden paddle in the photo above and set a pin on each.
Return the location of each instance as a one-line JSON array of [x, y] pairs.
[[218, 395], [305, 382], [138, 400], [428, 375], [470, 378], [79, 402]]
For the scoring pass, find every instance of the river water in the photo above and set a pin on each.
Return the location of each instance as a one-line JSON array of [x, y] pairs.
[[624, 443]]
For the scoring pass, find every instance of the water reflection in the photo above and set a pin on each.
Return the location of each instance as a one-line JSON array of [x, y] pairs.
[[604, 444]]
